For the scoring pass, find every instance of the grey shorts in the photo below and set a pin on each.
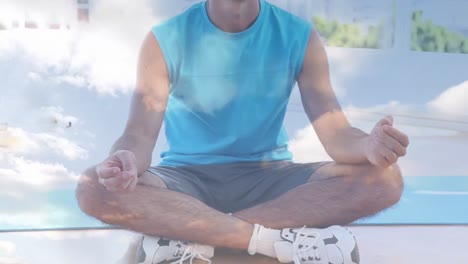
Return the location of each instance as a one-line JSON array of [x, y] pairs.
[[236, 186]]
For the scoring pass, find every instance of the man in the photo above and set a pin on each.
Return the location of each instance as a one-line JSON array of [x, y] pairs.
[[220, 75]]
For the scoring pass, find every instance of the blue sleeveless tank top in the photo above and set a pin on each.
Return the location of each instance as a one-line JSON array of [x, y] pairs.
[[229, 91]]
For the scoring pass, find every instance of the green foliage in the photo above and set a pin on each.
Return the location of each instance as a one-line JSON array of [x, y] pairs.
[[348, 35], [426, 36]]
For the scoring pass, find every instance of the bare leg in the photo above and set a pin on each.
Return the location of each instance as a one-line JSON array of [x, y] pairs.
[[152, 209], [336, 194]]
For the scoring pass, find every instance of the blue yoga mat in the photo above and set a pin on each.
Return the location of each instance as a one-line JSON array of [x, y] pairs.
[[428, 200]]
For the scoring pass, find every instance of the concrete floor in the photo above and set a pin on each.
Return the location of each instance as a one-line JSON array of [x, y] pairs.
[[413, 245], [390, 245], [378, 245]]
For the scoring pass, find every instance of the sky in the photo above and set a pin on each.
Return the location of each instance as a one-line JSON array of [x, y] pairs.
[[85, 76]]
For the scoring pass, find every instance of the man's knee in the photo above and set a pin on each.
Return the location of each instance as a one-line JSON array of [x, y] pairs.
[[376, 188], [386, 185], [92, 196], [89, 191]]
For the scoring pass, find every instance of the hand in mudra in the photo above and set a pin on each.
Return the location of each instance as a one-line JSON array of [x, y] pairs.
[[118, 173], [385, 144]]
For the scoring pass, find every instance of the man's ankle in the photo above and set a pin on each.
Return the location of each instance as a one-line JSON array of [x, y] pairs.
[[262, 241]]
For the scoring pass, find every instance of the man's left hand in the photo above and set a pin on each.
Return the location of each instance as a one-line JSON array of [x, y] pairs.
[[385, 144]]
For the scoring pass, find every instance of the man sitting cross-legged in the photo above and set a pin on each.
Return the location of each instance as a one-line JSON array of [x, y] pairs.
[[220, 76]]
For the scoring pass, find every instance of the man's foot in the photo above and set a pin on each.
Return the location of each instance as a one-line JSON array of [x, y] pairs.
[[155, 250], [333, 245]]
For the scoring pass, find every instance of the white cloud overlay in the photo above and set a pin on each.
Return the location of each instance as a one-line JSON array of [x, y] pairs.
[[15, 141], [73, 247], [63, 146], [453, 101], [27, 175], [25, 184], [35, 174], [27, 199], [306, 146], [100, 56], [433, 141]]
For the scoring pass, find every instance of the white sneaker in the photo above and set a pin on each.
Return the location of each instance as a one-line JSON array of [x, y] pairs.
[[155, 250], [333, 245]]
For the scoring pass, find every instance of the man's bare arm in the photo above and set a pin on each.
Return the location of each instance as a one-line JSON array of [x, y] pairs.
[[148, 105], [343, 142]]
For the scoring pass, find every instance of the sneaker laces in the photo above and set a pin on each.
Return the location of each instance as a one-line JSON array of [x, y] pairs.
[[190, 253], [305, 252]]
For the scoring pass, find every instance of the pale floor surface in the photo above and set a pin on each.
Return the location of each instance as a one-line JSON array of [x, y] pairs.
[[397, 245], [378, 245]]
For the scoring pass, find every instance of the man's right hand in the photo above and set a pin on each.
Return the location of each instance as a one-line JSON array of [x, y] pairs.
[[118, 173]]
